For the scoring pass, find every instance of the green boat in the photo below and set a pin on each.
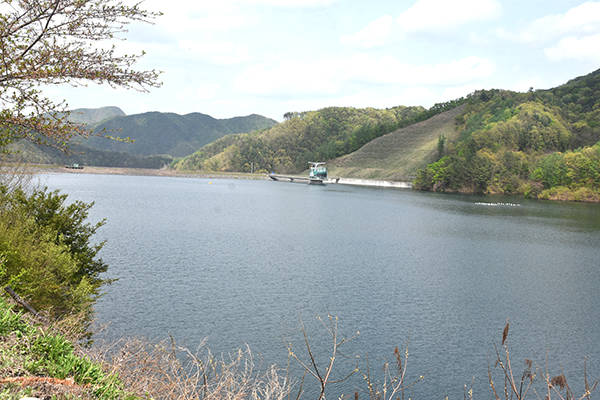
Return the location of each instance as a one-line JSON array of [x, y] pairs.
[[317, 173]]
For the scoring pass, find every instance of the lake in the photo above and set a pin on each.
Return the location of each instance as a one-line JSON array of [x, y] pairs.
[[239, 262]]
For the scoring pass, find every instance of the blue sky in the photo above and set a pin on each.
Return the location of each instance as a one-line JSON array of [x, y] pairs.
[[230, 58]]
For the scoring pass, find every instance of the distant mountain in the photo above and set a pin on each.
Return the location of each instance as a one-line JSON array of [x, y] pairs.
[[94, 115], [159, 137], [169, 133]]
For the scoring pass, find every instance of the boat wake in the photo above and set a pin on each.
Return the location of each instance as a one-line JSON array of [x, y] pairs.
[[498, 204]]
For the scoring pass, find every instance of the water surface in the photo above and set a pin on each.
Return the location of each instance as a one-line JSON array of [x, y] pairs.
[[238, 262]]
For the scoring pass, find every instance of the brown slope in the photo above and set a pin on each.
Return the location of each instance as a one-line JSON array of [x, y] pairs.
[[400, 153]]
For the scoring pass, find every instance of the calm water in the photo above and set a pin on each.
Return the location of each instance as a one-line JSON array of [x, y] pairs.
[[240, 261]]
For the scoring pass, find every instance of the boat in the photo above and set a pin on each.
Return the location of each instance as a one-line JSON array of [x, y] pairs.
[[74, 166], [317, 173]]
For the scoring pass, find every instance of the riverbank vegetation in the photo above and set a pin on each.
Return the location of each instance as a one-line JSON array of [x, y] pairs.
[[40, 359], [46, 250], [541, 144], [82, 155]]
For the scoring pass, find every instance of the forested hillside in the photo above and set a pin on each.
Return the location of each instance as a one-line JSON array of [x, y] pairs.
[[542, 144], [308, 136], [158, 138], [171, 134]]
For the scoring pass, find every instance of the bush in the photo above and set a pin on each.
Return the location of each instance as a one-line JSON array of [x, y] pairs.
[[45, 252]]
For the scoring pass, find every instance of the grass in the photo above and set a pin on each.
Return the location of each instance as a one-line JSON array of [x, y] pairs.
[[400, 153], [36, 359]]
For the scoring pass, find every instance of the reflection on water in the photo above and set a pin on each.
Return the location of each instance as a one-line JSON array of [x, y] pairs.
[[240, 261]]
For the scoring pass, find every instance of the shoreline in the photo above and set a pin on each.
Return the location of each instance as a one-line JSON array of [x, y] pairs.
[[56, 169]]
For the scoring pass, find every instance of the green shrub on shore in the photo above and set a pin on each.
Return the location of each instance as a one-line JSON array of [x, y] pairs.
[[45, 252]]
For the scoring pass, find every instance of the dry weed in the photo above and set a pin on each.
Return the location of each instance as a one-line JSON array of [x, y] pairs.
[[165, 370], [518, 389]]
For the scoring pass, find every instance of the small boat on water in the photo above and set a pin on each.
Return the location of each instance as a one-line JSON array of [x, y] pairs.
[[74, 166], [317, 173]]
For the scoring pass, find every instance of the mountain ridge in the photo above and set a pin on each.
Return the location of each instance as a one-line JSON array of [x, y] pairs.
[[170, 133]]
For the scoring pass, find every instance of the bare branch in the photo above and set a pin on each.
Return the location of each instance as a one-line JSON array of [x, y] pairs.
[[50, 43]]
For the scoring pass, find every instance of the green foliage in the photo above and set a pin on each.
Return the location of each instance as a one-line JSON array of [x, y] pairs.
[[524, 142], [29, 350], [308, 136], [46, 251], [440, 145]]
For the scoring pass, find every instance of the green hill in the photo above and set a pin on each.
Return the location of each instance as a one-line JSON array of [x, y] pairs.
[[308, 136], [168, 133], [543, 144]]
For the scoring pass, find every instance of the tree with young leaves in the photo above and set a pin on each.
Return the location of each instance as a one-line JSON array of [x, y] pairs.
[[58, 42]]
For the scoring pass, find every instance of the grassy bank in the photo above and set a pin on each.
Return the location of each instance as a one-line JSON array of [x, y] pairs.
[[41, 360]]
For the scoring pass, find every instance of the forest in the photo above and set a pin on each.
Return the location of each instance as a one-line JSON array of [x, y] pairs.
[[541, 144], [305, 136]]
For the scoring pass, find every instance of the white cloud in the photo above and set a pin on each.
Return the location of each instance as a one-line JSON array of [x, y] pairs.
[[424, 16], [207, 92], [374, 35], [288, 3], [221, 22], [222, 53], [439, 15], [331, 77], [586, 48], [412, 95], [535, 82], [583, 19], [211, 4], [456, 92], [285, 78], [179, 22], [386, 70]]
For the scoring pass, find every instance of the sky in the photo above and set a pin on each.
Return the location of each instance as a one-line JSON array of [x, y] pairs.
[[228, 58]]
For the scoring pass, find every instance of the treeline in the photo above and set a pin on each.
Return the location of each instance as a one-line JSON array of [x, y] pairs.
[[541, 144], [82, 155], [307, 136]]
